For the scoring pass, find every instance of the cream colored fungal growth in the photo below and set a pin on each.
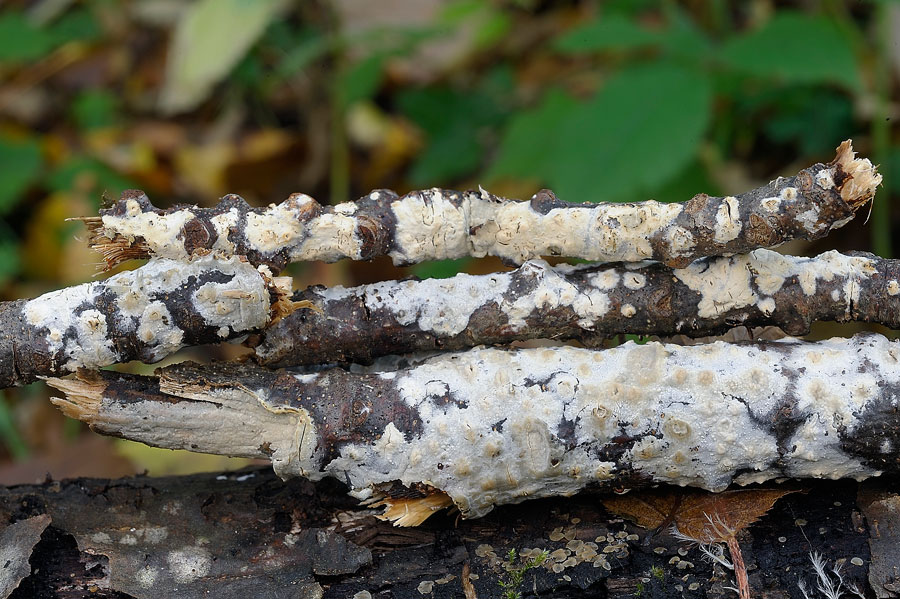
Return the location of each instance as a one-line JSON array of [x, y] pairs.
[[748, 279], [530, 423], [85, 336]]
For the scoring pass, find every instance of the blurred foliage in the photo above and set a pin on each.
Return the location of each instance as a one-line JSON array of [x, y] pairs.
[[616, 101]]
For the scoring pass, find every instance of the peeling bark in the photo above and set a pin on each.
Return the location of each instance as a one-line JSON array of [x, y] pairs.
[[438, 224], [587, 303], [144, 314], [489, 427]]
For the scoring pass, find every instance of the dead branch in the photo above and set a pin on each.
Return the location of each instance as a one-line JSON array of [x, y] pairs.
[[489, 427], [144, 314], [587, 303], [438, 224], [233, 535]]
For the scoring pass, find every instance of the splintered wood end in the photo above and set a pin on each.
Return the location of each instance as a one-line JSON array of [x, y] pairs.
[[411, 511], [115, 249], [857, 178], [84, 393]]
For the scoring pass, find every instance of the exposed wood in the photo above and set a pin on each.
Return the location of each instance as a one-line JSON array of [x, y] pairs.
[[437, 224], [588, 303]]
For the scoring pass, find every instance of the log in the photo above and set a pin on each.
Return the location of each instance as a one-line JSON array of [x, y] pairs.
[[438, 224], [489, 427], [247, 534], [587, 303], [145, 314]]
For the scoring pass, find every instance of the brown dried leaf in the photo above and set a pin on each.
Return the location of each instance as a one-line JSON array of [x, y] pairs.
[[691, 511]]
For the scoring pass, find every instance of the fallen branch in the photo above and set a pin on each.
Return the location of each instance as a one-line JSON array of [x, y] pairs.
[[438, 224], [143, 314], [488, 427], [588, 303], [234, 535]]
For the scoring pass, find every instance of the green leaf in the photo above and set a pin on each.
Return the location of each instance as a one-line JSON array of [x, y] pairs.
[[20, 164], [95, 109], [105, 180], [440, 269], [530, 135], [309, 48], [641, 129], [454, 121], [795, 48], [209, 40], [25, 41], [8, 431], [361, 80], [615, 32]]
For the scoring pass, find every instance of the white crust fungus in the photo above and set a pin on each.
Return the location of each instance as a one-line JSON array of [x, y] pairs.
[[529, 423]]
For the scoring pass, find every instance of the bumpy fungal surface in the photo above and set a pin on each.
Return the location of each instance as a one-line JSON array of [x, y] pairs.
[[436, 224], [585, 302], [491, 426], [144, 314]]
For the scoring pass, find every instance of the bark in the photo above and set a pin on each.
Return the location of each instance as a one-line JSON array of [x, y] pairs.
[[144, 314], [587, 303], [489, 427], [438, 224], [247, 534]]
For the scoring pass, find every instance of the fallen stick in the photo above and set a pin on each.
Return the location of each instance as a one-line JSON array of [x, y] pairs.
[[489, 426], [438, 224], [143, 314], [587, 303]]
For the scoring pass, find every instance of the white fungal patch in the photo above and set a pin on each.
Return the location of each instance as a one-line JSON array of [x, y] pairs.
[[607, 279], [553, 291], [810, 220], [189, 563], [429, 227], [159, 232], [628, 310], [530, 422], [84, 339], [824, 179], [725, 283], [223, 224], [276, 227], [728, 220], [681, 241], [770, 204], [766, 305], [789, 194], [634, 280], [328, 237], [893, 288], [146, 577], [441, 306]]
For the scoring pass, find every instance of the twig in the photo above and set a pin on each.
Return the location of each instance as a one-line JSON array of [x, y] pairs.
[[491, 426], [587, 303], [144, 314], [437, 224]]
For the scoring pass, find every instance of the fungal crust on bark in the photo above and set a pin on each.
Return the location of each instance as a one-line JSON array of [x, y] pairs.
[[439, 224], [143, 314], [491, 426], [586, 302]]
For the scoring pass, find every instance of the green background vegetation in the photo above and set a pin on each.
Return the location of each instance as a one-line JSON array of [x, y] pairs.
[[611, 101]]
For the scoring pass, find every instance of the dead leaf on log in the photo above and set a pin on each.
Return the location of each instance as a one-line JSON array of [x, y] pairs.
[[691, 511]]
